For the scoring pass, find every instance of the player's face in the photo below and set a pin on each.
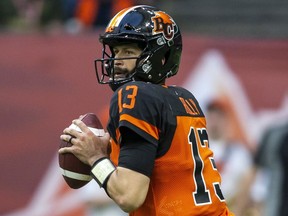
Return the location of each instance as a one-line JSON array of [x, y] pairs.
[[123, 67]]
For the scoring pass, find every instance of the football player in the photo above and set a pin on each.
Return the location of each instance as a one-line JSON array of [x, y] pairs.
[[160, 162]]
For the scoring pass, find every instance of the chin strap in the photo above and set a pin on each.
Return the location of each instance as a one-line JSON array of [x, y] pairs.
[[115, 85]]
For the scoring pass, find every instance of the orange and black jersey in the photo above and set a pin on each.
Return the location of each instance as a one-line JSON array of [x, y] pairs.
[[184, 179]]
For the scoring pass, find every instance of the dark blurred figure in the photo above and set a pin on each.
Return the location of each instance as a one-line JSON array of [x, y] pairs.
[[272, 156], [268, 177], [8, 12]]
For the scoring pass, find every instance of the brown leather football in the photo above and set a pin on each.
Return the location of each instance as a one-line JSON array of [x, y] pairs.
[[75, 172]]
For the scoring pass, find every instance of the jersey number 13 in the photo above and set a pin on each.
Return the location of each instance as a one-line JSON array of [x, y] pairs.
[[202, 193]]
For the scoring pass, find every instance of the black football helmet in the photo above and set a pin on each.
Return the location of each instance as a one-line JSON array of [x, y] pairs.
[[155, 32]]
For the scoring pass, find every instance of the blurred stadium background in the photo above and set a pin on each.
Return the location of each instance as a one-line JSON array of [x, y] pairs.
[[237, 50]]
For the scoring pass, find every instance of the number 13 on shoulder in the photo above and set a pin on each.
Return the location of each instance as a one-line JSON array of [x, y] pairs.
[[131, 97]]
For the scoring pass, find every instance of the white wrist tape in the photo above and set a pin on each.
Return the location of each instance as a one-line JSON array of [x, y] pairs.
[[102, 169]]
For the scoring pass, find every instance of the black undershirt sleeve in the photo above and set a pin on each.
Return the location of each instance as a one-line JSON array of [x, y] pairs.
[[136, 153]]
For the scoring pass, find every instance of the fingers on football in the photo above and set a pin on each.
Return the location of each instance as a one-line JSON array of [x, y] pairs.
[[83, 127], [65, 150], [66, 137]]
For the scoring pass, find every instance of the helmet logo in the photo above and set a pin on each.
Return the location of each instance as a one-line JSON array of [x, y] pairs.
[[164, 24]]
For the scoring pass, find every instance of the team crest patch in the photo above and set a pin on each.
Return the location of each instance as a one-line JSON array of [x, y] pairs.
[[164, 24]]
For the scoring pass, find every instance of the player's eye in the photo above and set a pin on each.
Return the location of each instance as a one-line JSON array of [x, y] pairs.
[[116, 51], [131, 52]]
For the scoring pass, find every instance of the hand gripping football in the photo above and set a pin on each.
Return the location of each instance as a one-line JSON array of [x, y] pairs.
[[75, 172]]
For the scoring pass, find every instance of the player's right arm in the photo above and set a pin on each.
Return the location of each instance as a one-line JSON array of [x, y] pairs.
[[128, 188], [128, 184]]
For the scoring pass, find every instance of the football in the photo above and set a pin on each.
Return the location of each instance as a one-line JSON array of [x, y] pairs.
[[75, 172]]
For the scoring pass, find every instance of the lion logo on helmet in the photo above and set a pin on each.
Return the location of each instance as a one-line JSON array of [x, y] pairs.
[[164, 24]]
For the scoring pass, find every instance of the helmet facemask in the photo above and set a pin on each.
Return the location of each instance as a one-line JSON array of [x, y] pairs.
[[105, 68]]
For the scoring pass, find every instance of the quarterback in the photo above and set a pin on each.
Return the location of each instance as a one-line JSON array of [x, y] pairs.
[[155, 157]]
